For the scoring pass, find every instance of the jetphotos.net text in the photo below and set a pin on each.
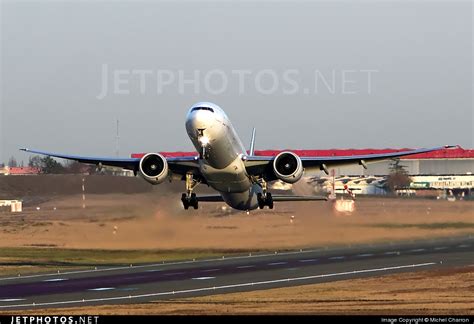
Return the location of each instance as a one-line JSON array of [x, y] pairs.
[[119, 82]]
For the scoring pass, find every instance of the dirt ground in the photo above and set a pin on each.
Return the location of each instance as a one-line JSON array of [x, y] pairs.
[[153, 218], [442, 292]]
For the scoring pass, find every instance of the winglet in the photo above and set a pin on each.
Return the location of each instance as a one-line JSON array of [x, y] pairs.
[[252, 143]]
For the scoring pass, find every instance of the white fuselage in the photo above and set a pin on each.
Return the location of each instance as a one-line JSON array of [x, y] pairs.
[[222, 153]]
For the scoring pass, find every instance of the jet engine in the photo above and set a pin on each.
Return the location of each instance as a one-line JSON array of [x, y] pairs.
[[154, 168], [288, 167]]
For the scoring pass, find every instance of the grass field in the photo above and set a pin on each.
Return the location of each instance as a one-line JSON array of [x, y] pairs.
[[28, 259]]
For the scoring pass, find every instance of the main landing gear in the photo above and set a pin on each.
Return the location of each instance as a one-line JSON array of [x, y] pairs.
[[189, 198], [264, 198]]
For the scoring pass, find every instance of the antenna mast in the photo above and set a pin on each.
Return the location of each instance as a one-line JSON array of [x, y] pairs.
[[117, 140]]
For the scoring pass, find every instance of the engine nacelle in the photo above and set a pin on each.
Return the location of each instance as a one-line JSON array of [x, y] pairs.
[[288, 167], [154, 168]]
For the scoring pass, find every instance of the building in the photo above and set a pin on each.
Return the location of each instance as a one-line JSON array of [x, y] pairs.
[[19, 171], [421, 185]]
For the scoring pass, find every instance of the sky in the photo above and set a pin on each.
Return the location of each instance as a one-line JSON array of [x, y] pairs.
[[306, 74]]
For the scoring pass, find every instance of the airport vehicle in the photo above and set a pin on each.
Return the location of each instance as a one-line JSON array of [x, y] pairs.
[[240, 177]]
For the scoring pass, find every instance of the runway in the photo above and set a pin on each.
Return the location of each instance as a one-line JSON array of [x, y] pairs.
[[142, 283]]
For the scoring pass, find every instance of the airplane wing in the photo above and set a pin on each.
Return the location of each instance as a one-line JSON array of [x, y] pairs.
[[262, 165], [210, 198], [177, 165]]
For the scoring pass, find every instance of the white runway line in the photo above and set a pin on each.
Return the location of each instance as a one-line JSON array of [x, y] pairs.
[[463, 246], [11, 300], [203, 278], [277, 263], [392, 253], [210, 270], [246, 284], [337, 258], [440, 248], [418, 250], [365, 255], [308, 260], [102, 289], [54, 280], [246, 267]]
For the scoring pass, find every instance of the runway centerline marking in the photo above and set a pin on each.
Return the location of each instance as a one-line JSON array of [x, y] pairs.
[[463, 246], [365, 255], [441, 248], [246, 267], [308, 260], [55, 280], [102, 289], [203, 278], [245, 284], [392, 253], [11, 299], [337, 258], [418, 250], [210, 270], [276, 263]]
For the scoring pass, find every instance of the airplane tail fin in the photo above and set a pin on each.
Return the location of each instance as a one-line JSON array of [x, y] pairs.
[[252, 144]]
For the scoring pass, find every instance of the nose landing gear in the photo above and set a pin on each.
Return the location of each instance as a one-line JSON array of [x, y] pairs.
[[189, 201], [189, 198]]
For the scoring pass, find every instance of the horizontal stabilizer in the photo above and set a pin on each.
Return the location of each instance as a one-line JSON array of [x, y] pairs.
[[210, 198], [297, 198]]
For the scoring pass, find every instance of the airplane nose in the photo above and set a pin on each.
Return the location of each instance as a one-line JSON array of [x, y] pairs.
[[199, 120]]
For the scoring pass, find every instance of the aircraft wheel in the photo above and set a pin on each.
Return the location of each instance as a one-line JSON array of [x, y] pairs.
[[269, 200], [184, 200], [260, 200]]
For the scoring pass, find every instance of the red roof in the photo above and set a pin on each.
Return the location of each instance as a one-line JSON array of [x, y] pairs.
[[452, 153], [23, 170]]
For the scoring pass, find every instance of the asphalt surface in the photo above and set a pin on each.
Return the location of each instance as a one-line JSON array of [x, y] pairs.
[[142, 283]]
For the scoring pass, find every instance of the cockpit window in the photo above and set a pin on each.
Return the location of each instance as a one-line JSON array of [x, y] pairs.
[[203, 108]]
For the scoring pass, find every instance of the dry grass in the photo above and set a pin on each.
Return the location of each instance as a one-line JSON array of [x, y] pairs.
[[150, 221]]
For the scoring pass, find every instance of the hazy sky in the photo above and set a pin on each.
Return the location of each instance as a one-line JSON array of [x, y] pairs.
[[322, 74]]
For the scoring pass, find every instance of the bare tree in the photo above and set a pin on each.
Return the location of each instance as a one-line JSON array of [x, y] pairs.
[[12, 163], [35, 162]]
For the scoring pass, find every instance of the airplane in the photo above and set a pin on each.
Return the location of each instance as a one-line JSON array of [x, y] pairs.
[[240, 177]]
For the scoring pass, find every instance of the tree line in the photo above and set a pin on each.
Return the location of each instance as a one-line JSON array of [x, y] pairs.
[[48, 165]]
